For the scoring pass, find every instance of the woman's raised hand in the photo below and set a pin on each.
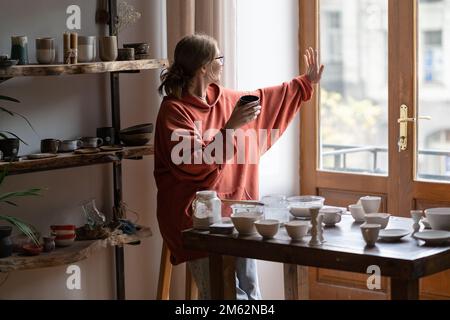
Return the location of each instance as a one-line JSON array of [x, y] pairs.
[[313, 71]]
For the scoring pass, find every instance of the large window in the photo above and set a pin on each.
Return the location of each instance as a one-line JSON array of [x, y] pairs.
[[353, 103]]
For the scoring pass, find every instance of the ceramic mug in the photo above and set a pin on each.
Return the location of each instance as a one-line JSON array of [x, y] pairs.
[[70, 145], [370, 204], [108, 48], [331, 216], [108, 135], [87, 49], [19, 49], [370, 233], [45, 50], [50, 145], [91, 142]]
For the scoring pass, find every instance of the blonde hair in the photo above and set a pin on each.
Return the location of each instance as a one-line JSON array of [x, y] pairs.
[[191, 53]]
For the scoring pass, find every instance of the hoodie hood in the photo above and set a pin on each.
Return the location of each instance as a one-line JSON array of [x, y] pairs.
[[213, 93]]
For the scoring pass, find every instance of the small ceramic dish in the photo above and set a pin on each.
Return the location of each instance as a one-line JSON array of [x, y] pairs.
[[433, 237], [392, 235], [32, 249], [87, 151], [37, 156], [111, 148]]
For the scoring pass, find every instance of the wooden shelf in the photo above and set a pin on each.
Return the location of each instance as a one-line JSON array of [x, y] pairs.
[[81, 68], [80, 250], [71, 160]]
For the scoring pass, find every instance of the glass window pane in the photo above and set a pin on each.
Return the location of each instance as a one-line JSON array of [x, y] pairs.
[[433, 157], [354, 94]]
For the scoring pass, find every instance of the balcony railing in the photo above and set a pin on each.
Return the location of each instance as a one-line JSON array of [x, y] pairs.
[[340, 152]]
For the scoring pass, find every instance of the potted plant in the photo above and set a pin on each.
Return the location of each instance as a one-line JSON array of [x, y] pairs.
[[22, 226], [10, 142]]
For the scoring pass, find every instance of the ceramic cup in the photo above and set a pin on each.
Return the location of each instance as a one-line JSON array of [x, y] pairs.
[[331, 216], [357, 212], [50, 145], [91, 142], [248, 99], [87, 49], [108, 135], [370, 233], [108, 48], [9, 148], [45, 50], [126, 54], [19, 49], [70, 145], [370, 204]]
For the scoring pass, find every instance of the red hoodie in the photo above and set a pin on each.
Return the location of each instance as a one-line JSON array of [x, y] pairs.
[[178, 183]]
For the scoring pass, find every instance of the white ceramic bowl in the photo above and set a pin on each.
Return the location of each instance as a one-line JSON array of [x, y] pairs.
[[299, 205], [245, 222], [378, 218], [357, 212], [267, 228], [297, 229], [438, 218]]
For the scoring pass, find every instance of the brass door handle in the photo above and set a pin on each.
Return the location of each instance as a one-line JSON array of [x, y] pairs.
[[403, 121]]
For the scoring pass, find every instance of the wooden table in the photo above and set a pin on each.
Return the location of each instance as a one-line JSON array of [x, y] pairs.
[[404, 262]]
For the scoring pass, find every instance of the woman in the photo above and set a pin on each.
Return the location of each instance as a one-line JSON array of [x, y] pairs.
[[196, 104]]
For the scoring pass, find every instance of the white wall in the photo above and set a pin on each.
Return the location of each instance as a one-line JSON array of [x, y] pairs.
[[267, 49]]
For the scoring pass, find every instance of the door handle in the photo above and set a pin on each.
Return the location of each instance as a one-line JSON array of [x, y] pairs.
[[403, 121]]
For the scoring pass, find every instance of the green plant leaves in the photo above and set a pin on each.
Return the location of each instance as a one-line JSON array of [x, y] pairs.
[[3, 135], [24, 227]]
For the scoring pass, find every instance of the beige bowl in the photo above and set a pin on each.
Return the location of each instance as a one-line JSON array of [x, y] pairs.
[[438, 218], [378, 218], [267, 228], [297, 229], [245, 222]]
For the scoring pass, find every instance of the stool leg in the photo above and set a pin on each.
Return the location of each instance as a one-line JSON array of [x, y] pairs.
[[165, 275], [191, 290]]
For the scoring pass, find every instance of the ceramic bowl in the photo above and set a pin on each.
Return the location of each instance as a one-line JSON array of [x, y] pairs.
[[299, 205], [32, 249], [357, 212], [297, 229], [245, 222], [64, 240], [438, 218], [267, 228], [139, 48], [378, 218], [140, 128], [140, 139], [62, 230]]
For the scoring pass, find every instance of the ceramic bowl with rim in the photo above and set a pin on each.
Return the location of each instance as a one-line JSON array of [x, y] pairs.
[[62, 230], [267, 228], [64, 240], [377, 218], [299, 205], [297, 229], [245, 222], [393, 235], [438, 218]]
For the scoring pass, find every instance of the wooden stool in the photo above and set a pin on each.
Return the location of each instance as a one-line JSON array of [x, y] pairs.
[[165, 278]]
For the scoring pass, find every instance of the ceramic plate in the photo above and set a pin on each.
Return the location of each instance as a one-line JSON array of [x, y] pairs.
[[36, 156], [111, 148], [433, 236], [87, 151], [393, 234]]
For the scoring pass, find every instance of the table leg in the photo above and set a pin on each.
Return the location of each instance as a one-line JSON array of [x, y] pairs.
[[222, 271], [296, 284], [404, 289]]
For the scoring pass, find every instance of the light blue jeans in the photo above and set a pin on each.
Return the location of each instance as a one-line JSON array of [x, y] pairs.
[[247, 287]]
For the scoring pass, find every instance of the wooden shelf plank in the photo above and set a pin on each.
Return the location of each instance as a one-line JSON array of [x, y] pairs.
[[81, 68], [71, 160], [80, 250]]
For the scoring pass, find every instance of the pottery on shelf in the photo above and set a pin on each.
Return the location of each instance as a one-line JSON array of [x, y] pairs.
[[6, 246]]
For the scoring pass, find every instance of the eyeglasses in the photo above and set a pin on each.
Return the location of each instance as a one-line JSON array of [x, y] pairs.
[[221, 60]]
